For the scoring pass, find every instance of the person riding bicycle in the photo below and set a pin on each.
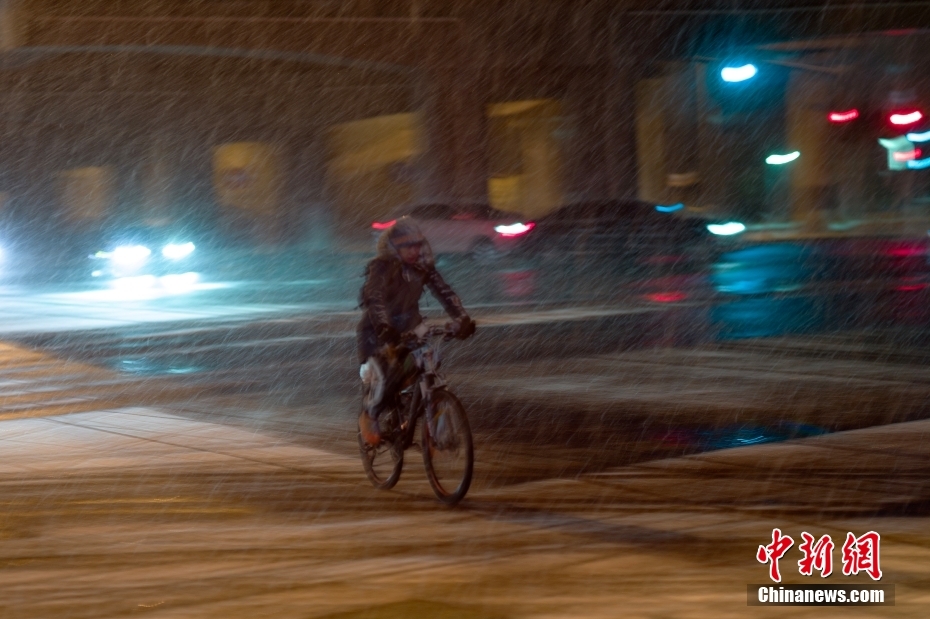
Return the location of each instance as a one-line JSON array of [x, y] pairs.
[[390, 297]]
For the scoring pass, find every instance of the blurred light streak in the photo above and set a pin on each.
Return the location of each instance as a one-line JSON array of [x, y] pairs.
[[183, 282], [671, 208], [667, 297], [176, 251], [919, 164], [908, 118], [383, 225], [517, 229], [918, 137], [906, 155], [728, 229], [126, 291], [137, 283], [907, 252], [738, 74], [843, 117], [782, 159], [130, 254]]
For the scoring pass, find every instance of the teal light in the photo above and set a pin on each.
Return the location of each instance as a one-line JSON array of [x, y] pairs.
[[739, 74], [918, 164], [176, 251]]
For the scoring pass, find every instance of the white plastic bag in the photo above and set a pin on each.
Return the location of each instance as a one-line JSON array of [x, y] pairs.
[[372, 376]]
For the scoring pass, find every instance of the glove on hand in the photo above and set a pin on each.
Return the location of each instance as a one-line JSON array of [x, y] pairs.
[[466, 328], [388, 335]]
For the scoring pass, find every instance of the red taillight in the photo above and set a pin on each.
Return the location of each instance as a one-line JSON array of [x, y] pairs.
[[383, 225], [905, 118], [907, 251], [667, 297], [843, 117], [512, 230]]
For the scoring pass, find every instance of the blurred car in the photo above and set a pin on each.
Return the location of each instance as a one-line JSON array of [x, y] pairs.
[[142, 251], [632, 234], [613, 249], [478, 230]]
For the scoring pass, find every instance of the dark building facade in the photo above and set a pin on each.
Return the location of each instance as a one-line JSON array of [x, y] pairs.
[[285, 114]]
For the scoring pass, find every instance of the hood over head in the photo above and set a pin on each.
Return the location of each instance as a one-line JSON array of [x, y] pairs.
[[404, 230]]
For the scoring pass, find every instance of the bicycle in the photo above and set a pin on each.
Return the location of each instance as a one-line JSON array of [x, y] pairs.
[[445, 436]]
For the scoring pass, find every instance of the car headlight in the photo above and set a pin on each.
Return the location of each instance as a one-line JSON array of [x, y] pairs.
[[176, 251], [728, 229], [130, 254]]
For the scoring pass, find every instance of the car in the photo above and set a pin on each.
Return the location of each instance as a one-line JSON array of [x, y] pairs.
[[477, 230], [146, 252], [629, 231], [605, 248]]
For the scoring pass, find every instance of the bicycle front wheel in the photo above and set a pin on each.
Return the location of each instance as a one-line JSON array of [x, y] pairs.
[[448, 451], [384, 463]]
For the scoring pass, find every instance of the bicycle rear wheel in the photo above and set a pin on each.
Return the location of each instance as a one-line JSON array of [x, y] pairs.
[[448, 450], [383, 464]]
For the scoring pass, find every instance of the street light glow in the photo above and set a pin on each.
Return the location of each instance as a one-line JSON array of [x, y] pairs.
[[738, 74], [782, 159]]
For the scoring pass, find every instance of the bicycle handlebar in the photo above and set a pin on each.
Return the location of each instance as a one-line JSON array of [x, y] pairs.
[[432, 331]]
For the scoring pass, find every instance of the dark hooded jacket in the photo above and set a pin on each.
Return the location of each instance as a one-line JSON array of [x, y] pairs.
[[392, 290]]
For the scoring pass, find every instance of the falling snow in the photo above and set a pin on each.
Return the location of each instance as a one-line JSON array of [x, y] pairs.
[[695, 238]]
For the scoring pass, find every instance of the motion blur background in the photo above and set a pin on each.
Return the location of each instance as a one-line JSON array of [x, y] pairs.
[[694, 235], [290, 127]]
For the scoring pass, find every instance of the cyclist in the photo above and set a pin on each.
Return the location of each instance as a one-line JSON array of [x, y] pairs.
[[390, 297]]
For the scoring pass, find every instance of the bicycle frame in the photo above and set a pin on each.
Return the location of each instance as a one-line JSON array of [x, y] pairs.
[[427, 360]]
